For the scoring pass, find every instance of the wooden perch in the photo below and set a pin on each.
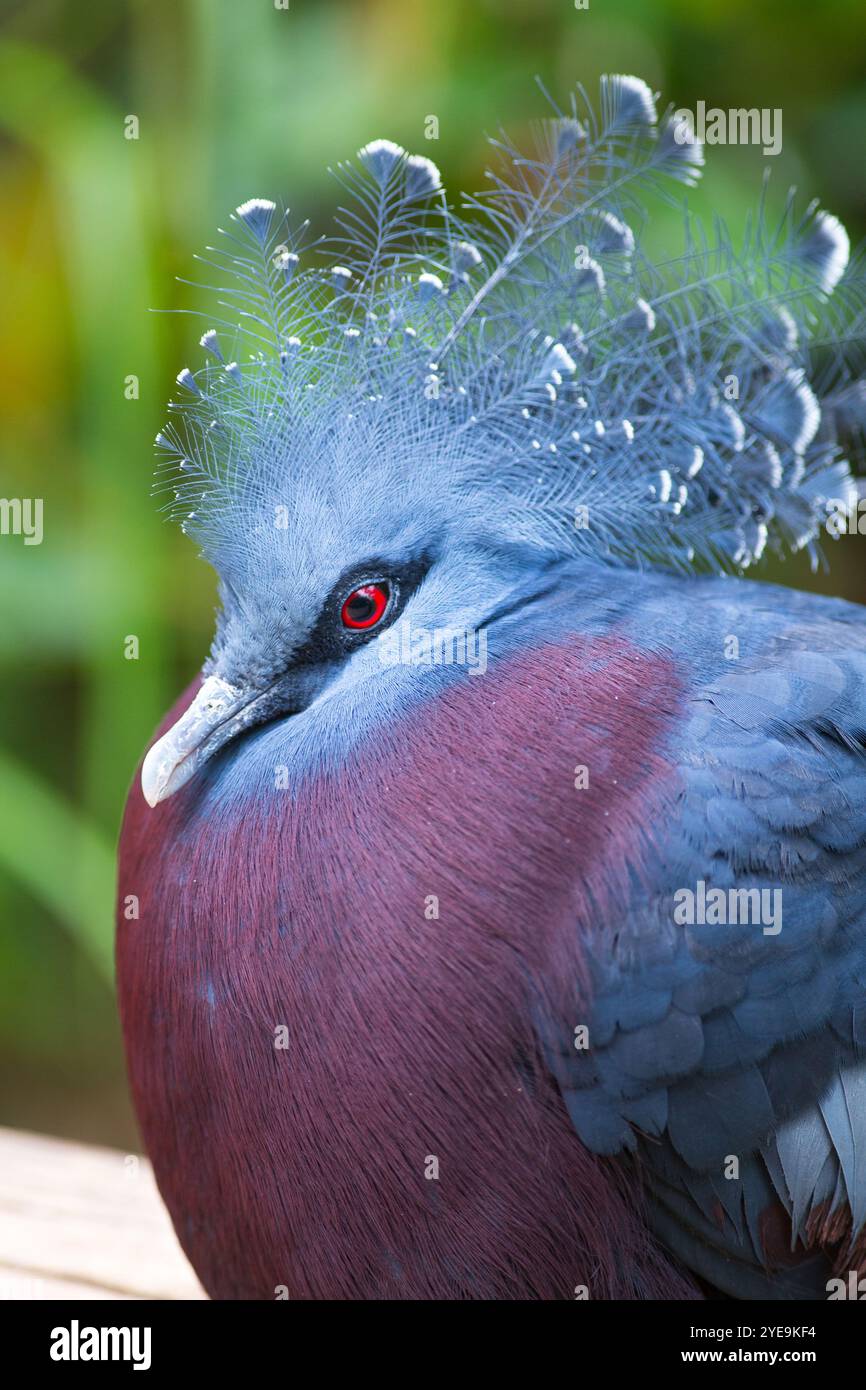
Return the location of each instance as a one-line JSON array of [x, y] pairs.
[[82, 1222]]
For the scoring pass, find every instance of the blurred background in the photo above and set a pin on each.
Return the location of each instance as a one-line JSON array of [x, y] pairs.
[[235, 100]]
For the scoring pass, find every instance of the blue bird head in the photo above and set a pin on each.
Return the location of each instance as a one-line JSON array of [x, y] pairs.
[[420, 415]]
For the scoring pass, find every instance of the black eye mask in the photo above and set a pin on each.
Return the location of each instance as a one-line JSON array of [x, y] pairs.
[[330, 638]]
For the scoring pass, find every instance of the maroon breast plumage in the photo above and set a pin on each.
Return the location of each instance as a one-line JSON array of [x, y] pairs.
[[328, 998]]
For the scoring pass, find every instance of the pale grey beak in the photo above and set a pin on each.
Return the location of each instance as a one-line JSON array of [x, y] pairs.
[[218, 712]]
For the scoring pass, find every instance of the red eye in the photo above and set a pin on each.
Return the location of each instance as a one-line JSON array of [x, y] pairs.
[[364, 607]]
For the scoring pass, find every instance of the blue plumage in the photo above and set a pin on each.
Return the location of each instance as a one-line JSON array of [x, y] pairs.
[[720, 1039], [525, 357], [510, 418]]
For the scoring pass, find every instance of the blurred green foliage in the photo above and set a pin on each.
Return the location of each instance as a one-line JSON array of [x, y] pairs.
[[237, 100]]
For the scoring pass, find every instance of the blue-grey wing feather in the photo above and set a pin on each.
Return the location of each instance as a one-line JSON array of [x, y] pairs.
[[713, 1043]]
